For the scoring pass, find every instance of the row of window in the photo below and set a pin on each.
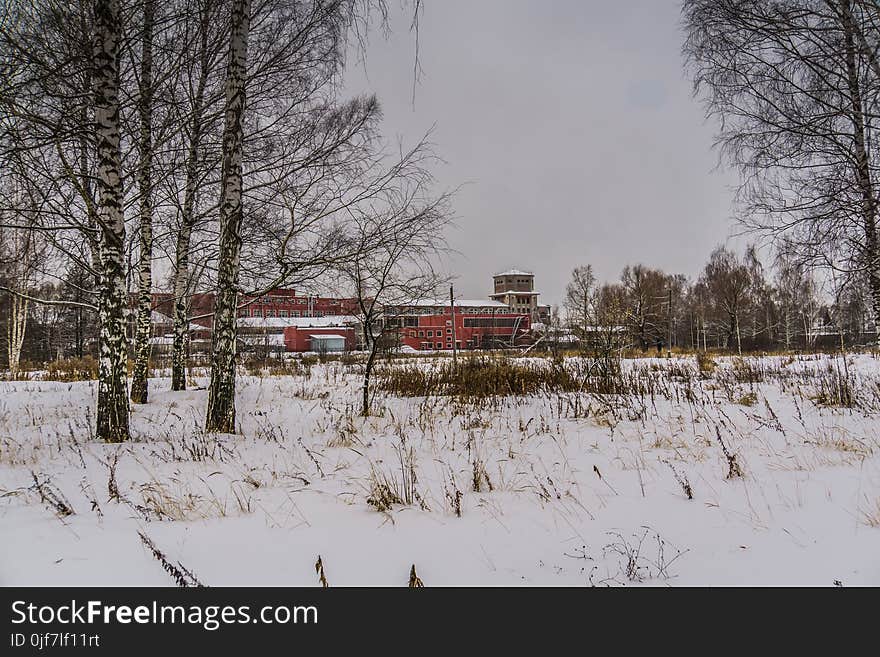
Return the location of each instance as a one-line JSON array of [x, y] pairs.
[[498, 322], [439, 333], [467, 310], [294, 300], [439, 345], [257, 312]]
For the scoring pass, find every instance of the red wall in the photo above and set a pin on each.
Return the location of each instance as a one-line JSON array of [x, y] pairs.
[[296, 338], [202, 305], [290, 302], [463, 334]]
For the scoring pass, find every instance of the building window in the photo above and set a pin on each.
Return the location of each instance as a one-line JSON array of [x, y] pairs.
[[294, 313], [270, 313], [421, 334], [412, 334], [282, 313], [430, 334], [256, 313], [439, 345], [449, 330]]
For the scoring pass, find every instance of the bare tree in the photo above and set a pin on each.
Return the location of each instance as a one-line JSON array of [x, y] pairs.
[[145, 184], [199, 87], [391, 268], [795, 85], [729, 283], [302, 162], [221, 394], [580, 299], [112, 414], [645, 290], [19, 251]]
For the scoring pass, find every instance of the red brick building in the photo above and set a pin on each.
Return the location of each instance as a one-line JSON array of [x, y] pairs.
[[298, 334], [276, 303], [333, 338], [479, 324]]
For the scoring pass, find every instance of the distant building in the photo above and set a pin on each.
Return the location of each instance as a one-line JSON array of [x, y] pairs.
[[516, 290], [427, 324], [332, 333], [279, 302], [280, 320]]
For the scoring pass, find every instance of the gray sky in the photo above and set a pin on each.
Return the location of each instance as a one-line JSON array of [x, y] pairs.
[[571, 123]]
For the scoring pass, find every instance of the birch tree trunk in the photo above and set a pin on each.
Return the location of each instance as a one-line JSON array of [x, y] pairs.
[[188, 219], [139, 378], [864, 178], [112, 412], [16, 325], [221, 394]]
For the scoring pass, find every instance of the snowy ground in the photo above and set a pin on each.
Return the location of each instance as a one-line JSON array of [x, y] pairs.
[[574, 489]]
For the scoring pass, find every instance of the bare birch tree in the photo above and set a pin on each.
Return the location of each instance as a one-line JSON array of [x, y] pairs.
[[112, 414], [139, 376], [18, 253], [199, 89], [392, 266], [221, 394], [580, 299], [795, 85]]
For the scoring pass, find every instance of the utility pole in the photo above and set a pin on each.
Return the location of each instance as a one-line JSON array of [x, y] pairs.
[[452, 312], [669, 313]]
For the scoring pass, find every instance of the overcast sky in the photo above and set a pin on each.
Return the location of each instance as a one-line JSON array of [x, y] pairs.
[[571, 124]]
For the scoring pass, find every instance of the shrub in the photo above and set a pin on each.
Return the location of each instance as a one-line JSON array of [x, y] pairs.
[[478, 377], [72, 369], [705, 363]]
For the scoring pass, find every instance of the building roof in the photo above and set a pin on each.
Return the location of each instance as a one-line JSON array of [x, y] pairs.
[[501, 294], [273, 339], [459, 303], [300, 322], [327, 336], [514, 272]]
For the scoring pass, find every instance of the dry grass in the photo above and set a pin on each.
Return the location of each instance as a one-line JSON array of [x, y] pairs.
[[72, 369], [870, 513]]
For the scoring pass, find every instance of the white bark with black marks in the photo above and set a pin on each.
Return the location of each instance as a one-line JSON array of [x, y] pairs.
[[221, 393], [864, 177], [140, 374], [181, 271], [112, 412]]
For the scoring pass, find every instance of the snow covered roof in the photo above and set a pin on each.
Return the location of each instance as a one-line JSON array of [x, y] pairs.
[[299, 322], [459, 303], [501, 294], [273, 339], [514, 272], [327, 336]]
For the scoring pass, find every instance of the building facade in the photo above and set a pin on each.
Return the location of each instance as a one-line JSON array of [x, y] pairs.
[[427, 325], [516, 289], [276, 303], [298, 334]]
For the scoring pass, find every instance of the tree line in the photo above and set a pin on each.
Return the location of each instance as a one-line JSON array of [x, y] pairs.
[[794, 88], [735, 304]]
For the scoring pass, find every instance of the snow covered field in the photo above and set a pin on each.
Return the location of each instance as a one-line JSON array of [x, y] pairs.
[[554, 489]]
